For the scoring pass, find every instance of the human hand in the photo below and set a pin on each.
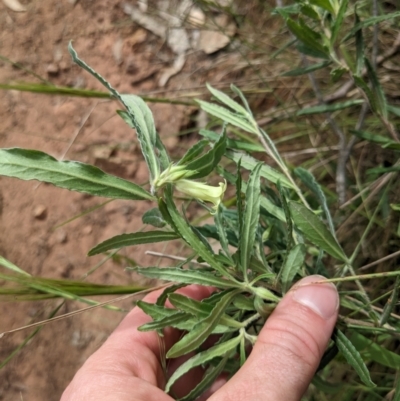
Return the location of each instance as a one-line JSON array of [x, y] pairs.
[[279, 368]]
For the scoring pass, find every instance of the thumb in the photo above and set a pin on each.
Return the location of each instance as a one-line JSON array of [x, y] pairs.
[[289, 347]]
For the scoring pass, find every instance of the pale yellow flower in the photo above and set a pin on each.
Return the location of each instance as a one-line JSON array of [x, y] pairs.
[[203, 192]]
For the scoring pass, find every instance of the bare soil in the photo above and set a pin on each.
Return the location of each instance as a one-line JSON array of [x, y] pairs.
[[132, 59]]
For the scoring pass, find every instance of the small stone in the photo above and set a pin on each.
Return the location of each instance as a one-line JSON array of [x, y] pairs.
[[61, 236], [87, 230], [52, 69], [40, 212]]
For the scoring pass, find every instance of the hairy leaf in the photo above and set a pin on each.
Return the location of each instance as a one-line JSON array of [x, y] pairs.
[[227, 101], [353, 357], [250, 218], [315, 230], [202, 357], [120, 241], [202, 330], [35, 165], [197, 276], [293, 262], [154, 218]]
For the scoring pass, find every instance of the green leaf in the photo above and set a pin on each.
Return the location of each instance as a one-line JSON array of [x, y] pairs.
[[328, 108], [249, 163], [312, 52], [379, 139], [309, 11], [189, 236], [194, 151], [205, 164], [316, 231], [35, 165], [120, 241], [156, 312], [293, 263], [174, 320], [203, 357], [325, 4], [360, 47], [140, 117], [353, 357], [338, 22], [265, 294], [202, 330], [197, 276], [227, 116], [154, 218], [308, 179], [372, 351], [359, 81], [378, 91], [8, 265], [209, 378], [306, 70], [250, 218], [265, 203], [370, 22], [201, 309], [223, 239], [227, 101], [306, 35]]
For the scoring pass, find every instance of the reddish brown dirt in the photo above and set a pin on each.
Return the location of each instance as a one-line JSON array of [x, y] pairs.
[[37, 39]]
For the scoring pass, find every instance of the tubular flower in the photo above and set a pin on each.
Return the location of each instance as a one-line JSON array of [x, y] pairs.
[[172, 174], [203, 192]]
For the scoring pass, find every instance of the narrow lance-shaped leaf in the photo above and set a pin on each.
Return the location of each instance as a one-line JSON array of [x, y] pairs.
[[219, 223], [227, 101], [390, 304], [249, 163], [173, 320], [288, 216], [325, 4], [309, 180], [316, 231], [371, 21], [227, 116], [205, 164], [189, 236], [156, 312], [360, 47], [194, 151], [378, 91], [200, 309], [142, 119], [293, 262], [75, 176], [120, 241], [202, 330], [209, 378], [306, 70], [203, 357], [338, 21], [197, 276], [353, 357], [372, 351], [329, 108], [139, 113], [250, 218], [306, 35], [154, 218]]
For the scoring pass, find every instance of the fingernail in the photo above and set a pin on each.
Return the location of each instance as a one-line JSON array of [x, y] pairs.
[[323, 299]]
